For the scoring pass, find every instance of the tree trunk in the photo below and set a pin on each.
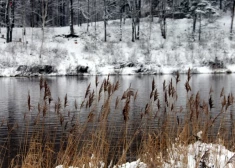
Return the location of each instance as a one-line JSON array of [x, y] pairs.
[[163, 20], [12, 18], [138, 20], [121, 11], [231, 28], [151, 10], [105, 21], [88, 11], [95, 15], [200, 27], [32, 13], [194, 22], [8, 21], [133, 27], [71, 18], [44, 18], [23, 19]]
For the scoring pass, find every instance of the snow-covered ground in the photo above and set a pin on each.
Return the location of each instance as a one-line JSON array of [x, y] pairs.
[[197, 155], [150, 55]]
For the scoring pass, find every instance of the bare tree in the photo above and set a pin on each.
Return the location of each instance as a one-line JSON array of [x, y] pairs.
[[138, 19], [44, 8], [231, 27], [162, 18], [10, 19], [71, 18]]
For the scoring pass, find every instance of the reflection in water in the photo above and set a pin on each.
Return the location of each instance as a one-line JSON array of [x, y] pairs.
[[14, 92]]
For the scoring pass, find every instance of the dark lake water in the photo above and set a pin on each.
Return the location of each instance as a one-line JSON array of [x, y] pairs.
[[14, 94]]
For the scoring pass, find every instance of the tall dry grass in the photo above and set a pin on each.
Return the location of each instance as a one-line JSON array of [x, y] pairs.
[[98, 141]]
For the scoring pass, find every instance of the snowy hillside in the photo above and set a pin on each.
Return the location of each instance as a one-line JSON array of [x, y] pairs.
[[150, 55]]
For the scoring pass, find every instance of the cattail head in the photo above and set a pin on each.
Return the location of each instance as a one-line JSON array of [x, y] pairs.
[[147, 109], [153, 85], [96, 81], [136, 93], [177, 77], [211, 104], [65, 101], [156, 95], [91, 98], [116, 86], [222, 92], [75, 105], [91, 116], [87, 90], [189, 74], [116, 103], [211, 90], [41, 83], [44, 110], [164, 85], [187, 86], [29, 102]]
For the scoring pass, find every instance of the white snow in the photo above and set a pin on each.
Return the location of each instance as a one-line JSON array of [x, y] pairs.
[[193, 155], [213, 155], [135, 164], [153, 53]]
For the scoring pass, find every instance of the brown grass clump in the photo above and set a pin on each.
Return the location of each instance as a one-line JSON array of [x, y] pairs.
[[88, 134]]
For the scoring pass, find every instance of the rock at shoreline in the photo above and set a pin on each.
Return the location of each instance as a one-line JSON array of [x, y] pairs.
[[25, 70]]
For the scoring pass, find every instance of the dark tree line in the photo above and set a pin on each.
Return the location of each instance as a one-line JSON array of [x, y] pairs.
[[45, 13]]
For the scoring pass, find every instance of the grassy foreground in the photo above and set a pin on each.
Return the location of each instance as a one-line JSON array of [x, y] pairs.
[[90, 136]]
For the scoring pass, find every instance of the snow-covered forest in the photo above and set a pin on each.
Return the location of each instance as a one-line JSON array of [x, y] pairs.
[[72, 37]]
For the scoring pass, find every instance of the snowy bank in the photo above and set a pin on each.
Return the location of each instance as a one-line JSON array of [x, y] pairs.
[[151, 54], [194, 155]]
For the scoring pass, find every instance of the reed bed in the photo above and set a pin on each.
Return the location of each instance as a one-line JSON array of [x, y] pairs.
[[88, 135]]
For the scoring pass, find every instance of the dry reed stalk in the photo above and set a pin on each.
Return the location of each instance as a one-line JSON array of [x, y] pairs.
[[116, 86], [100, 91], [153, 85], [76, 105], [151, 94], [65, 101], [105, 110], [116, 103], [109, 86], [82, 104], [166, 99], [105, 85], [126, 110], [164, 85], [169, 90], [156, 94], [177, 77], [41, 83], [187, 86], [87, 90], [44, 109], [158, 104], [211, 90], [222, 92], [96, 81], [34, 156], [91, 98], [189, 74], [29, 100], [136, 94], [147, 109], [211, 102]]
